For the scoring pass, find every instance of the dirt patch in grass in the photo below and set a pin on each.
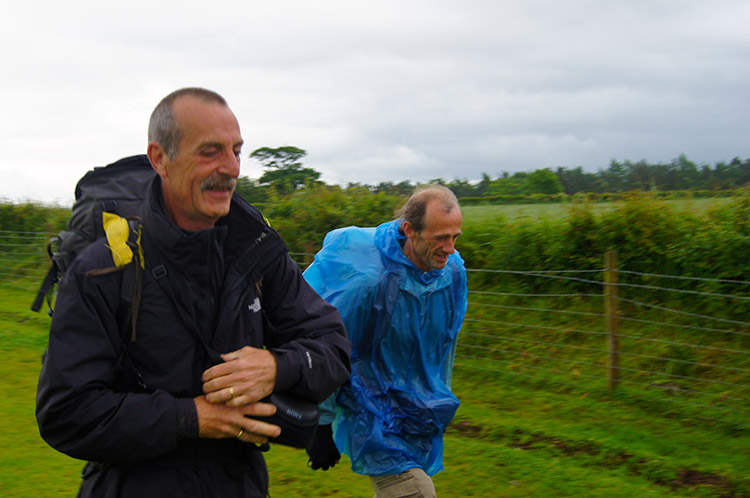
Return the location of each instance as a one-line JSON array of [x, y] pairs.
[[687, 478], [465, 429], [605, 457]]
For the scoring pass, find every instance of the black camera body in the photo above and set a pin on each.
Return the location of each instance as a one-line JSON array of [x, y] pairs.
[[297, 418]]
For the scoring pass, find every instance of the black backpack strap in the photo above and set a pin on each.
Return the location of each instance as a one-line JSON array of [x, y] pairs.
[[130, 303], [132, 278], [130, 294], [52, 277], [45, 290], [161, 275]]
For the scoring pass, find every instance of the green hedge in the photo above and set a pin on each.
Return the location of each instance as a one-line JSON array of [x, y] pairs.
[[648, 235], [30, 217], [598, 197], [303, 218]]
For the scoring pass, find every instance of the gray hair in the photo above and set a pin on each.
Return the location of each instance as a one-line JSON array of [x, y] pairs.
[[415, 208], [163, 128]]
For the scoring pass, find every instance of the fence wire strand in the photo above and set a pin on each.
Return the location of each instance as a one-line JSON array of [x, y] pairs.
[[575, 387], [604, 351], [578, 374], [683, 313], [538, 310], [681, 277], [515, 294], [526, 354]]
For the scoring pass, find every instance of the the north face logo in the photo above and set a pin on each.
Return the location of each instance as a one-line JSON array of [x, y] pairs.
[[255, 307]]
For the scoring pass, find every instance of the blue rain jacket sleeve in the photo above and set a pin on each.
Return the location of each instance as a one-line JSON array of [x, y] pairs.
[[403, 324]]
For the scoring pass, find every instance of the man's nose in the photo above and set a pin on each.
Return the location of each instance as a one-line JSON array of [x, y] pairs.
[[230, 165], [450, 246]]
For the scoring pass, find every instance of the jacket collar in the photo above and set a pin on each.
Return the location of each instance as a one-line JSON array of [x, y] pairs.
[[180, 247], [238, 234]]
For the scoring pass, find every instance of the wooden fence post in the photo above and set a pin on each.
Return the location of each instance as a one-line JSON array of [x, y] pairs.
[[613, 322]]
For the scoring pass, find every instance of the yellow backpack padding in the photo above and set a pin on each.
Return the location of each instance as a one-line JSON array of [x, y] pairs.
[[117, 230]]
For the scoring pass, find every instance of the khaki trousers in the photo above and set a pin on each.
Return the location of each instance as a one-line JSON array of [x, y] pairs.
[[413, 483]]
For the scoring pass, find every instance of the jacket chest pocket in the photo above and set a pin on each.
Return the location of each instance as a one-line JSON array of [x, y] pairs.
[[241, 324]]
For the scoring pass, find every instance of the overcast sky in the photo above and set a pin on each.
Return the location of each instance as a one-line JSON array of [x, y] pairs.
[[378, 91]]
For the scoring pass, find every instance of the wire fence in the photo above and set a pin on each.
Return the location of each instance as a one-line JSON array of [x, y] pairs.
[[697, 364], [669, 342]]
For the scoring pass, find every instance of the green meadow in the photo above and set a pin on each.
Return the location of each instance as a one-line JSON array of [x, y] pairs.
[[555, 211], [516, 434], [511, 438]]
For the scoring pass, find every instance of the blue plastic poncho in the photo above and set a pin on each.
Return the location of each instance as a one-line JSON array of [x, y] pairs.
[[403, 324]]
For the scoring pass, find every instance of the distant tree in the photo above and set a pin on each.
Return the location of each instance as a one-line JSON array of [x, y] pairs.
[[576, 180], [384, 187], [483, 186], [284, 169], [663, 177], [510, 185], [614, 178], [286, 157], [724, 176], [734, 174], [641, 175], [687, 175], [707, 178], [462, 188], [543, 181], [743, 171], [251, 190], [403, 188], [284, 173]]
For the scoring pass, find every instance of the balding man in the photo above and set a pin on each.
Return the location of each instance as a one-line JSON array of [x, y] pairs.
[[225, 319], [401, 290]]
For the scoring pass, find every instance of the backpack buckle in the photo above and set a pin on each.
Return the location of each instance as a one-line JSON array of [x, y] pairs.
[[159, 272]]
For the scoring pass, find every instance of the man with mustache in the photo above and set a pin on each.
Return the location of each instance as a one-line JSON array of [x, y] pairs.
[[401, 290], [225, 319]]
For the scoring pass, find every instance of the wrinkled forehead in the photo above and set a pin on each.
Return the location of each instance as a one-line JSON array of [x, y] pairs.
[[200, 120], [443, 217]]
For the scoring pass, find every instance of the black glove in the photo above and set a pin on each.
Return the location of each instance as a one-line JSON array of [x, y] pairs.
[[322, 451]]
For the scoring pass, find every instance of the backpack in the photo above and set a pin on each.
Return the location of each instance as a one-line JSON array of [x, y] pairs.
[[118, 188]]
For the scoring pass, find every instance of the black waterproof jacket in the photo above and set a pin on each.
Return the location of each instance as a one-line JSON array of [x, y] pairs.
[[146, 438]]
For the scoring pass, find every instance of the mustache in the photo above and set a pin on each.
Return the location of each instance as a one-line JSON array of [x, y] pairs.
[[218, 182]]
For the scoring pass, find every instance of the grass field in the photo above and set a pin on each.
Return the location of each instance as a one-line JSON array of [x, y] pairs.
[[477, 215], [511, 438]]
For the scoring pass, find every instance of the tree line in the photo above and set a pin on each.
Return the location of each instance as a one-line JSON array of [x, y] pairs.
[[284, 173]]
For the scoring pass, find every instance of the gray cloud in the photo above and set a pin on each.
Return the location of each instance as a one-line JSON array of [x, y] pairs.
[[380, 91]]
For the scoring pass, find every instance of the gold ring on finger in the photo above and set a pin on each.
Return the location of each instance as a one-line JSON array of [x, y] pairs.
[[231, 392]]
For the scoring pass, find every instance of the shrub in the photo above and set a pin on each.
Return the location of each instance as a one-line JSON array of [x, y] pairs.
[[304, 217]]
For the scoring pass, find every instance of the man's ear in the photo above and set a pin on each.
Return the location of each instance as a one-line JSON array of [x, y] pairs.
[[408, 229], [158, 157]]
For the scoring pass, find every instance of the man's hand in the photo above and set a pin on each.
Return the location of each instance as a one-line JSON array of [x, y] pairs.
[[219, 421], [246, 376], [322, 451]]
